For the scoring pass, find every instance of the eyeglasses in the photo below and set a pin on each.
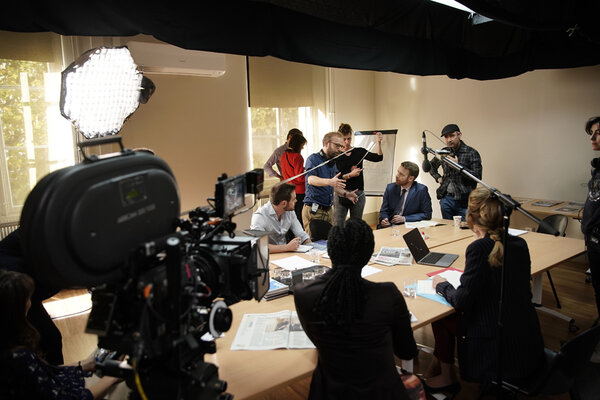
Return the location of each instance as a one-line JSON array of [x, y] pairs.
[[596, 132], [337, 145]]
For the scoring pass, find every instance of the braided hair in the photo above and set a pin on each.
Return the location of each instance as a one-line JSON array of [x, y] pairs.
[[350, 247], [486, 212]]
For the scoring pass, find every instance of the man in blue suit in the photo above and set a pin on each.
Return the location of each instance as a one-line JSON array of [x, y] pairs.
[[405, 200]]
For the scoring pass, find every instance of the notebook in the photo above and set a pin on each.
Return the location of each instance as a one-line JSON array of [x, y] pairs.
[[420, 252]]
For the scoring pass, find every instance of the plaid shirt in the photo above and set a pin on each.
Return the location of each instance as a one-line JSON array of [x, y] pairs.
[[453, 180]]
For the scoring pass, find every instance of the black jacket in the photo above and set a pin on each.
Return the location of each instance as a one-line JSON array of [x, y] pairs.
[[477, 301], [359, 363]]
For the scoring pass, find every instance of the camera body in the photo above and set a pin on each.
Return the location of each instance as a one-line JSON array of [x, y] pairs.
[[161, 285]]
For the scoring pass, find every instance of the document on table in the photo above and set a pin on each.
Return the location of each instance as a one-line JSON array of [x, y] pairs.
[[293, 263], [303, 248], [368, 270], [516, 232], [271, 331], [420, 224], [393, 255]]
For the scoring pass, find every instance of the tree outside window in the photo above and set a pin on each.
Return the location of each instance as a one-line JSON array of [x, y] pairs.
[[34, 138]]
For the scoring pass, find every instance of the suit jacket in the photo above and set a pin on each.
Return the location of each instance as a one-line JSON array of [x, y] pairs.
[[416, 208], [358, 363], [477, 300]]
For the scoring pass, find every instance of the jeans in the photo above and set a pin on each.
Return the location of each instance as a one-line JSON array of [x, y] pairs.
[[450, 207], [340, 211]]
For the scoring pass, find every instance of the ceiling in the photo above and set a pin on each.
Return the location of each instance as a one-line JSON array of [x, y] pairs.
[[415, 37]]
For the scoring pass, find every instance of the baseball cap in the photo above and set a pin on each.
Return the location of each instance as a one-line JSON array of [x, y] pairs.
[[449, 129]]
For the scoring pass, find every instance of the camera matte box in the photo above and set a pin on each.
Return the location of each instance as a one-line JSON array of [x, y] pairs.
[[80, 224]]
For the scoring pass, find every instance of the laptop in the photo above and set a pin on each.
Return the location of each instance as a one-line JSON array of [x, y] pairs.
[[420, 252]]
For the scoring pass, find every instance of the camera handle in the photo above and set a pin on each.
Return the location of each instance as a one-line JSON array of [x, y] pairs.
[[99, 142]]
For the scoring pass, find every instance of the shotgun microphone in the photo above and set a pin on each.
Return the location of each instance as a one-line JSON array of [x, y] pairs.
[[426, 164]]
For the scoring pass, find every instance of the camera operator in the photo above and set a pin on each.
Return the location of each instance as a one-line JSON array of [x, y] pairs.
[[277, 217], [23, 374]]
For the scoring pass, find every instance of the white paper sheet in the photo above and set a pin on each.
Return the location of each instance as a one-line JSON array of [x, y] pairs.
[[368, 270], [516, 232], [420, 224], [293, 263]]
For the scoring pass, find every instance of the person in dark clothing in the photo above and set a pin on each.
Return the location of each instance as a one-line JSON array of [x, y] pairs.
[[357, 325], [11, 259], [476, 302], [454, 189], [350, 166], [590, 223], [23, 373]]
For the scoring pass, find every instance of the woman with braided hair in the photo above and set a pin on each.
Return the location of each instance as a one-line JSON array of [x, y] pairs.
[[357, 325], [476, 302]]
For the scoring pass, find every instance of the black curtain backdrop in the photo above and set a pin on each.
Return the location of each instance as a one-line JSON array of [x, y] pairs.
[[417, 37]]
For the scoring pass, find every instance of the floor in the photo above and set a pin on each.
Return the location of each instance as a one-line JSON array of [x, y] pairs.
[[575, 294]]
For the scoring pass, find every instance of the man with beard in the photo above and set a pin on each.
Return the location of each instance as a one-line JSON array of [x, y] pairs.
[[277, 217], [405, 200], [322, 182], [455, 187]]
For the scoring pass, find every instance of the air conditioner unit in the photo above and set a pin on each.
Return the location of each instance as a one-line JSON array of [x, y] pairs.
[[158, 58]]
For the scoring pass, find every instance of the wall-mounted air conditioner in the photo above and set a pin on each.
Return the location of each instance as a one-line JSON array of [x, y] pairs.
[[158, 58]]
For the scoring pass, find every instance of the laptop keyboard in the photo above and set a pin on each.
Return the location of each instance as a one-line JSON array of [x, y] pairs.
[[432, 258]]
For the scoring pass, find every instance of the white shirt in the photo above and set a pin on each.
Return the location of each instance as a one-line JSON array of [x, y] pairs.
[[265, 219]]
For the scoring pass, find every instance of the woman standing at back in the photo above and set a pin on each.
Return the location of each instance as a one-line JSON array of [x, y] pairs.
[[292, 164], [357, 325]]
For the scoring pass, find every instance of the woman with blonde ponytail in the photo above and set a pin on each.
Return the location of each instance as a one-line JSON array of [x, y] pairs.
[[476, 302]]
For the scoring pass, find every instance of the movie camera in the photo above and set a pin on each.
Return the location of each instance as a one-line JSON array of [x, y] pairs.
[[161, 284]]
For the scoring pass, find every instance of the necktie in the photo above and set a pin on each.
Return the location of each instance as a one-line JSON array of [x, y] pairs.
[[401, 204]]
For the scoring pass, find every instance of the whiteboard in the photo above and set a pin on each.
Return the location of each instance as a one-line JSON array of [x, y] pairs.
[[377, 174]]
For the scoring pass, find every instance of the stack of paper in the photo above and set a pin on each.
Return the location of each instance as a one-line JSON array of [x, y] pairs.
[[276, 290], [393, 256]]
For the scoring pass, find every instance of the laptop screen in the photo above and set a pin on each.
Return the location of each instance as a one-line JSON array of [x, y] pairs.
[[416, 244]]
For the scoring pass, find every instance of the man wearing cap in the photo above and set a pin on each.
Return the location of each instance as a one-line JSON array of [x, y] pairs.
[[454, 189]]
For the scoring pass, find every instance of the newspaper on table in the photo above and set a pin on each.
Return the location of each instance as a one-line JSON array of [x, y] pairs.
[[393, 255], [279, 330]]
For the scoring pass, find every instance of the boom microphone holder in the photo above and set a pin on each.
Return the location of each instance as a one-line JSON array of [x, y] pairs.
[[508, 205]]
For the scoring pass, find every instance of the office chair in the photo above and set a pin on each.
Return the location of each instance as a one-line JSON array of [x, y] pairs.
[[319, 229], [562, 369], [558, 222]]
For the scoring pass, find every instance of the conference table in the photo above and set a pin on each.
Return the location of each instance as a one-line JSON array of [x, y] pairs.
[[251, 374]]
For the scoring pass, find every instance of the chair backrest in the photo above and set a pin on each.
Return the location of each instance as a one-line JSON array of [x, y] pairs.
[[575, 354], [319, 229], [557, 221]]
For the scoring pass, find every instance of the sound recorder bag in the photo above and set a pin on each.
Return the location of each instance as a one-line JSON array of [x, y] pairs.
[[80, 224]]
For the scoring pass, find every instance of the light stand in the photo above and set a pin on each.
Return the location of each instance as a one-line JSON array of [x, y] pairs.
[[508, 205]]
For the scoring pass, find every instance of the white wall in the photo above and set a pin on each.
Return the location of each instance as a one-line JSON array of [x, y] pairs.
[[199, 126], [528, 129]]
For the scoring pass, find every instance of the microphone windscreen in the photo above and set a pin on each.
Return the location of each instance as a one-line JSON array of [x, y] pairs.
[[426, 165]]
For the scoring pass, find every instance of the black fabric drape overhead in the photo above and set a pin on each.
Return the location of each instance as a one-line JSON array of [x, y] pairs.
[[407, 36]]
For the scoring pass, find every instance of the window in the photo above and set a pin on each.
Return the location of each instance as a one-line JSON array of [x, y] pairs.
[[285, 95], [34, 138]]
